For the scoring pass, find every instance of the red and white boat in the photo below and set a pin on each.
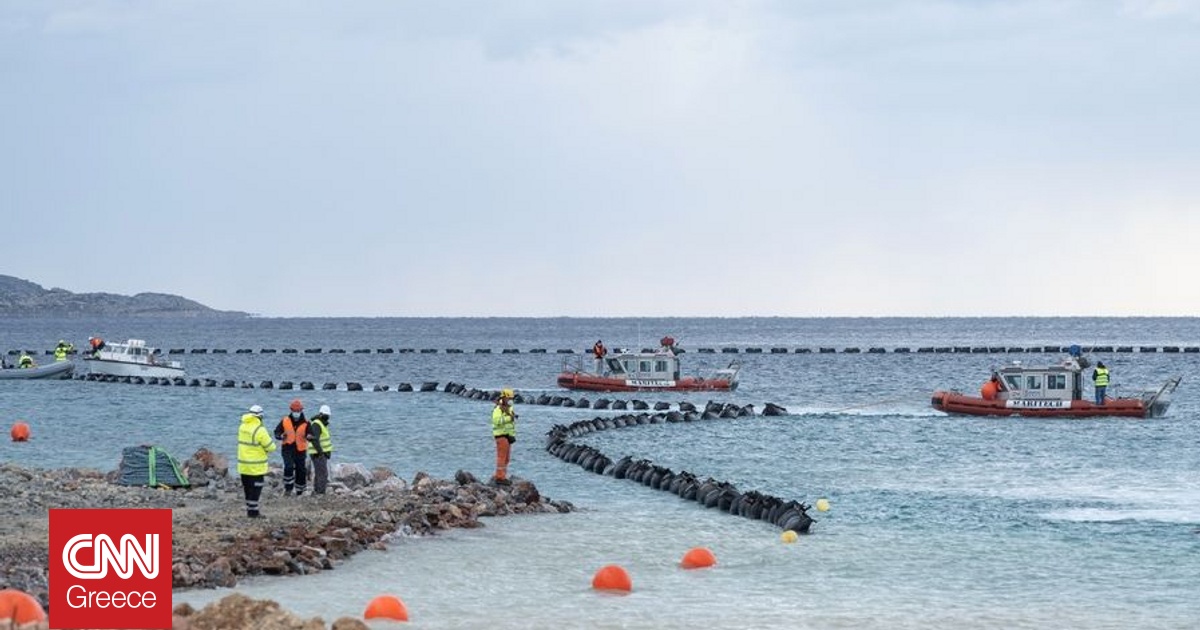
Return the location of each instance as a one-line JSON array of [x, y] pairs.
[[1051, 391], [653, 371]]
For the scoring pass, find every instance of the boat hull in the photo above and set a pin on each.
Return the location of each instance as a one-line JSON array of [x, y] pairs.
[[590, 382], [962, 404], [50, 371], [126, 368]]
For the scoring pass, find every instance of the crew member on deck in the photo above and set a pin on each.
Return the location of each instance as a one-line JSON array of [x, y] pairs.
[[97, 345], [25, 361], [1100, 381], [62, 350], [600, 351]]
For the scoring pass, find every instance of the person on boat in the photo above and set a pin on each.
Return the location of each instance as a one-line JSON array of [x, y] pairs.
[[504, 431], [253, 445], [25, 361], [668, 344], [292, 433], [1100, 381], [600, 352], [321, 444], [97, 345], [62, 350]]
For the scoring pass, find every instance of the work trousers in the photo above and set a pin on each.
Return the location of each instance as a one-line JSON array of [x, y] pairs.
[[252, 486], [320, 472], [503, 451], [1100, 390], [295, 469]]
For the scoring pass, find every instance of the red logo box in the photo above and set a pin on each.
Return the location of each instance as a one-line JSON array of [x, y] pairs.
[[110, 569]]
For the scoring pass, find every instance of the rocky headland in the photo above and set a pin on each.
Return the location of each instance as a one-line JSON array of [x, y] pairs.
[[24, 298], [214, 544]]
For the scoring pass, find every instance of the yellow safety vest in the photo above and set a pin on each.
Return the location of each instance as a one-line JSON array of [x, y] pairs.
[[1101, 377], [324, 440], [503, 422], [253, 445]]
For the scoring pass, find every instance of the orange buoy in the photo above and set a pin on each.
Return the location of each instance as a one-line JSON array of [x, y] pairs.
[[612, 578], [19, 609], [20, 432], [698, 558], [386, 607]]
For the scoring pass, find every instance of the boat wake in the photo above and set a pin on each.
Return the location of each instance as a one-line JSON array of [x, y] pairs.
[[1174, 515]]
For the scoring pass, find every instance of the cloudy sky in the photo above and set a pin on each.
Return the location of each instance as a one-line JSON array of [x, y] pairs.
[[608, 158]]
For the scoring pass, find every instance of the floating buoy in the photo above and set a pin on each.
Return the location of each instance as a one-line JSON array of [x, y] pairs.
[[698, 558], [19, 609], [612, 578], [789, 536], [20, 432], [822, 505], [386, 607]]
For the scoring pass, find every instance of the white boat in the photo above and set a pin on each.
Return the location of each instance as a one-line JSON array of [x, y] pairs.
[[132, 358]]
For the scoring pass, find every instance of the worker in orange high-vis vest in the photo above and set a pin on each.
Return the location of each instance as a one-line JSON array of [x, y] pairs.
[[292, 433], [504, 431]]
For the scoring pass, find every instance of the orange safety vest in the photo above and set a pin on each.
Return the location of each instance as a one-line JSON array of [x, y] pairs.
[[295, 435]]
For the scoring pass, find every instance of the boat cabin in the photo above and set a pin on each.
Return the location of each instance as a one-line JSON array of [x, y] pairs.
[[133, 350], [1053, 382], [657, 366]]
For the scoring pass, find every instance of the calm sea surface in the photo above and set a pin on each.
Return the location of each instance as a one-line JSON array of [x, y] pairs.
[[936, 521]]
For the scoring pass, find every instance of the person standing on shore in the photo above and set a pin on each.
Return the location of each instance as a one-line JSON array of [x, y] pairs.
[[292, 432], [321, 446], [504, 431], [253, 445]]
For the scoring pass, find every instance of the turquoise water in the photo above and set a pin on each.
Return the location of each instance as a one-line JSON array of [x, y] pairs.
[[936, 521]]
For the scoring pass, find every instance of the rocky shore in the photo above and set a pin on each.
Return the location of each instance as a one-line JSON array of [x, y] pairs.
[[215, 545]]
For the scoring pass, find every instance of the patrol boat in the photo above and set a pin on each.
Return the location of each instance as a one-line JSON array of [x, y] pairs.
[[656, 370], [132, 358], [1052, 391]]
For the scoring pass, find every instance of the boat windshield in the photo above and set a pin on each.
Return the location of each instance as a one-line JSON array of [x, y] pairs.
[[615, 366], [1013, 380]]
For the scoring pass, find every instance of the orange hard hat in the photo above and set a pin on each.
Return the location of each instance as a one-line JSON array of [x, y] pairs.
[[297, 405]]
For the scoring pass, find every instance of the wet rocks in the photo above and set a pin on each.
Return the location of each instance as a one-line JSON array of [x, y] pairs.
[[215, 545]]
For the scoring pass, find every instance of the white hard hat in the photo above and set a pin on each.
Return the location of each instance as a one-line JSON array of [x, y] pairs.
[[256, 410], [325, 410]]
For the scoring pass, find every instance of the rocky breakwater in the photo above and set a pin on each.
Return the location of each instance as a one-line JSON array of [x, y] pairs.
[[214, 543]]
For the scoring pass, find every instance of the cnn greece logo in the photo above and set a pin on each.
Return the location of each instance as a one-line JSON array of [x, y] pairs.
[[107, 568], [107, 554]]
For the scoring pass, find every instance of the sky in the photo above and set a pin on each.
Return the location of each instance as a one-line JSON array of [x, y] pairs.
[[612, 158]]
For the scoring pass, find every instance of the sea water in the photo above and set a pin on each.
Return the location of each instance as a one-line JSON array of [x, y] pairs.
[[935, 521]]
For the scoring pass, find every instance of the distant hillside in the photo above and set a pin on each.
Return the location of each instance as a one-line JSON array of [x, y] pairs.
[[22, 297]]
